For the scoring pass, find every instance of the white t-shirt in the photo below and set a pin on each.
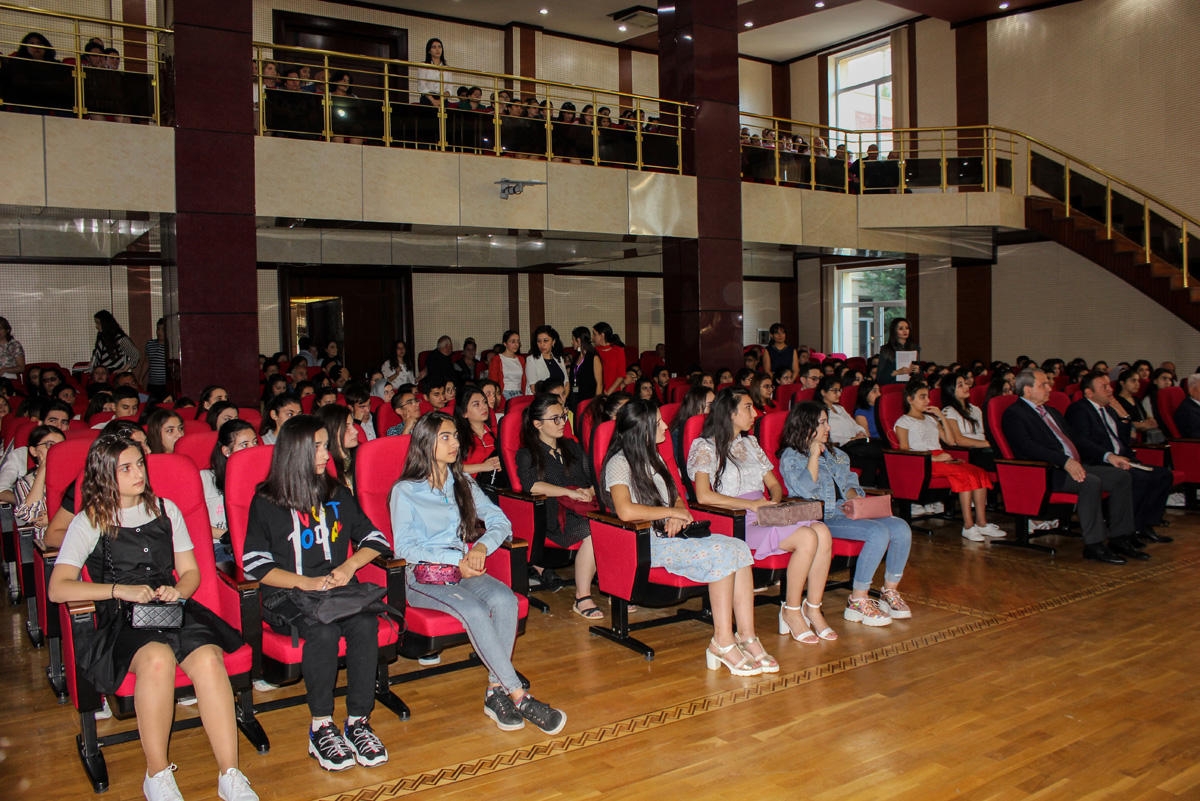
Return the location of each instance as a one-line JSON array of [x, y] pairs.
[[512, 373], [842, 427], [82, 536], [214, 500], [922, 434], [965, 429]]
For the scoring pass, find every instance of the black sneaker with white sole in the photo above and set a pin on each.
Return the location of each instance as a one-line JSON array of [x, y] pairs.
[[367, 748], [544, 716], [330, 749], [500, 708]]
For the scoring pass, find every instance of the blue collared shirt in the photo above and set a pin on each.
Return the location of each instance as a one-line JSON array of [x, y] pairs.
[[425, 522]]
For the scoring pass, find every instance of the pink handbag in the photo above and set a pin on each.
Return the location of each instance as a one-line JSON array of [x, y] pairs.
[[868, 507]]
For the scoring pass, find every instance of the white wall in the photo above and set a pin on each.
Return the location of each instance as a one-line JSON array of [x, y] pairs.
[[1050, 302], [939, 309], [1112, 82], [460, 306], [754, 87], [760, 308], [806, 86]]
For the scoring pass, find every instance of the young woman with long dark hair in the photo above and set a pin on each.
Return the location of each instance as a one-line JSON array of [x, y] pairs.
[[812, 468], [900, 338], [545, 358], [164, 427], [730, 470], [113, 349], [475, 436], [134, 545], [554, 465], [233, 436], [445, 527], [343, 440], [586, 370], [302, 523], [637, 485]]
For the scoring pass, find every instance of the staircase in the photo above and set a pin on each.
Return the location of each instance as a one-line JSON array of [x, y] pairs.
[[1121, 255]]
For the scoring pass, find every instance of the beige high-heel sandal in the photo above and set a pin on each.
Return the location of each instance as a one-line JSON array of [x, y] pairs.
[[745, 666], [808, 637], [826, 633], [768, 663]]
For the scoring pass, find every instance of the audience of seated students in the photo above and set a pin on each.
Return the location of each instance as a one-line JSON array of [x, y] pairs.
[[164, 427], [297, 496], [729, 469], [274, 386], [508, 368], [407, 407], [435, 511], [556, 466], [849, 434], [476, 439], [637, 485], [1101, 430], [1187, 416], [762, 393], [282, 408], [137, 549], [397, 369], [545, 358], [233, 436]]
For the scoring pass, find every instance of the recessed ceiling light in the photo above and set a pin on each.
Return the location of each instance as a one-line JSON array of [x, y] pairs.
[[543, 11], [1004, 6], [622, 28], [820, 3], [748, 24]]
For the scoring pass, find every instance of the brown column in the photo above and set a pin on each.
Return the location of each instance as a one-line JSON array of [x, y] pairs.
[[514, 302], [210, 292], [630, 334], [528, 65], [702, 277], [781, 90], [912, 295], [789, 306], [537, 301]]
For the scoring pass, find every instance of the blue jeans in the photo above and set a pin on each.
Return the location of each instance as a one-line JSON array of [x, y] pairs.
[[487, 609], [889, 535]]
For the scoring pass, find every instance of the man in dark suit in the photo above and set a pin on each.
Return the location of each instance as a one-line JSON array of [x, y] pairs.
[[1102, 435], [1036, 431], [1187, 416]]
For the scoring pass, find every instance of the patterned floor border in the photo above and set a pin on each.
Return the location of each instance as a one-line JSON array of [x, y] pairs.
[[597, 735]]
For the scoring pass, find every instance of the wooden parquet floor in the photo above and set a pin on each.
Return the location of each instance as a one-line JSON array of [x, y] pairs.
[[1020, 676]]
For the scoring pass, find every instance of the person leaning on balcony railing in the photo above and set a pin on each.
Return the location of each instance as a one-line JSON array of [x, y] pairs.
[[430, 87]]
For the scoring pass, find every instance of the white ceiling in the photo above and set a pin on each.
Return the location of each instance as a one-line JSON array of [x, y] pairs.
[[590, 18]]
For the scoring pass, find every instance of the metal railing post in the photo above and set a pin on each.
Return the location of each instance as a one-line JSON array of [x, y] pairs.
[[1183, 242], [1146, 229], [1108, 210], [387, 107], [1067, 185]]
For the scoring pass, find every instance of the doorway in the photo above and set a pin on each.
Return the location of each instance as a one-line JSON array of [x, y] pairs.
[[320, 319]]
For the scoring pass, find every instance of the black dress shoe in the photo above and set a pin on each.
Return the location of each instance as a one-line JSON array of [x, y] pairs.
[[1150, 535], [1101, 553], [1122, 546]]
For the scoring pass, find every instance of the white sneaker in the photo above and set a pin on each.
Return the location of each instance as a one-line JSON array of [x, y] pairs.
[[936, 508], [918, 510], [161, 786], [430, 659], [232, 785], [1042, 525], [105, 711], [992, 530], [1177, 500], [187, 700], [264, 686], [973, 534]]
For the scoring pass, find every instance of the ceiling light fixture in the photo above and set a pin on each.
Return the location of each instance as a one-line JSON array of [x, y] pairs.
[[1004, 6], [820, 3], [622, 28], [543, 11], [748, 24]]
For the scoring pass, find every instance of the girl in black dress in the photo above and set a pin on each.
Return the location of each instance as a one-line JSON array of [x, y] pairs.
[[133, 545]]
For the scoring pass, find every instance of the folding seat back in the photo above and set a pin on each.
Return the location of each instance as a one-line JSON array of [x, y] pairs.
[[770, 430], [516, 405], [306, 404], [1167, 401], [86, 434], [785, 396], [198, 447], [669, 411], [385, 418], [979, 392], [676, 388], [935, 398], [892, 386], [1059, 401], [888, 409], [195, 426], [849, 398]]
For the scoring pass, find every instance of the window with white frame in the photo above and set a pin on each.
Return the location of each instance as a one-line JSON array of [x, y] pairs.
[[860, 89], [867, 300]]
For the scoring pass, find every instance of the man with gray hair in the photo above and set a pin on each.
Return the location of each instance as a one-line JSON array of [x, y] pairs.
[[1035, 431], [1187, 416]]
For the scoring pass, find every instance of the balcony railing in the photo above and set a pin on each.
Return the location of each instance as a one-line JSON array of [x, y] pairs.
[[324, 95], [77, 66]]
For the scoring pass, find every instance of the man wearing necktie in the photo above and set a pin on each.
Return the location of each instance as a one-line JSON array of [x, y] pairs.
[[1102, 434], [1037, 432]]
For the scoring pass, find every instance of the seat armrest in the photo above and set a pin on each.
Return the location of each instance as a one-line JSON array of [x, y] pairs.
[[238, 586], [875, 491], [384, 563], [75, 608], [709, 509], [1025, 463], [531, 497], [613, 520], [908, 452]]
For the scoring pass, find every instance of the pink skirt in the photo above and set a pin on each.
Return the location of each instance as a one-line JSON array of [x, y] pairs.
[[764, 540]]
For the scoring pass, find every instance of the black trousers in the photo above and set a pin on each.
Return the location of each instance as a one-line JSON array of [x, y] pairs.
[[867, 456], [1100, 479], [1150, 491], [320, 663]]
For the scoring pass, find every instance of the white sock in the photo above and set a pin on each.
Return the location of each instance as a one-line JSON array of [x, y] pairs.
[[350, 721], [319, 722]]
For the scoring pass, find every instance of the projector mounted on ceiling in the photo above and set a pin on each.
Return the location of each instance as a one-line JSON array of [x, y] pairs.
[[637, 17]]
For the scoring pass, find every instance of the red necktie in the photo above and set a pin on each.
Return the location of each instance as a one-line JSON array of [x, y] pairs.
[[1058, 432]]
